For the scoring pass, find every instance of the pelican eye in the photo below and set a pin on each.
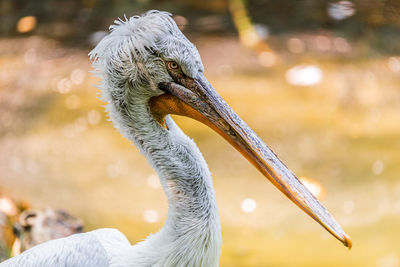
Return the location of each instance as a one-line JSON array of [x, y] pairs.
[[172, 65]]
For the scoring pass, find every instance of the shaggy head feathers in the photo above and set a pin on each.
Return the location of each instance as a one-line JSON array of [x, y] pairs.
[[136, 49]]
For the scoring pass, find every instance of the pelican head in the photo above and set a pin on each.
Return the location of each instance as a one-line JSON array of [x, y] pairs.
[[147, 60], [143, 51]]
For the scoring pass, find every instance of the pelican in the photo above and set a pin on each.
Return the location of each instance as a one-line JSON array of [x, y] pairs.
[[149, 70]]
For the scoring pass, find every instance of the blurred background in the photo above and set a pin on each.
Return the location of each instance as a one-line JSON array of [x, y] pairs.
[[319, 81]]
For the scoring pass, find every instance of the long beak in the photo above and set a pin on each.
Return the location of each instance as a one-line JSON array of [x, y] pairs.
[[196, 98]]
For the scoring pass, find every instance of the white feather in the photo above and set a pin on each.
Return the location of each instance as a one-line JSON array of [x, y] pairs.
[[97, 248], [130, 62]]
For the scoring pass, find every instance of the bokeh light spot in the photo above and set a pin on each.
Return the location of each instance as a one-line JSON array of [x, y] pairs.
[[93, 117], [248, 205], [323, 43], [377, 167], [80, 124], [64, 86], [394, 64], [304, 75], [77, 76], [7, 206], [341, 45], [72, 102], [153, 181], [388, 260], [26, 24], [267, 59], [151, 216], [295, 45], [250, 38], [341, 10], [262, 31]]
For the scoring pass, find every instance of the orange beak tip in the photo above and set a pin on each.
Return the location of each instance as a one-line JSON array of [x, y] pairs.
[[347, 242]]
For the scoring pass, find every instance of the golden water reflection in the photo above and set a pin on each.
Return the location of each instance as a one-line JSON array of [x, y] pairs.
[[341, 133]]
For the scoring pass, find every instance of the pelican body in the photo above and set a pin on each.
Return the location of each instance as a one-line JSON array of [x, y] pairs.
[[148, 70]]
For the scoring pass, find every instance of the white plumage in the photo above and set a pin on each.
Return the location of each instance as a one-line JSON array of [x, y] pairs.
[[96, 248], [149, 69], [130, 73]]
